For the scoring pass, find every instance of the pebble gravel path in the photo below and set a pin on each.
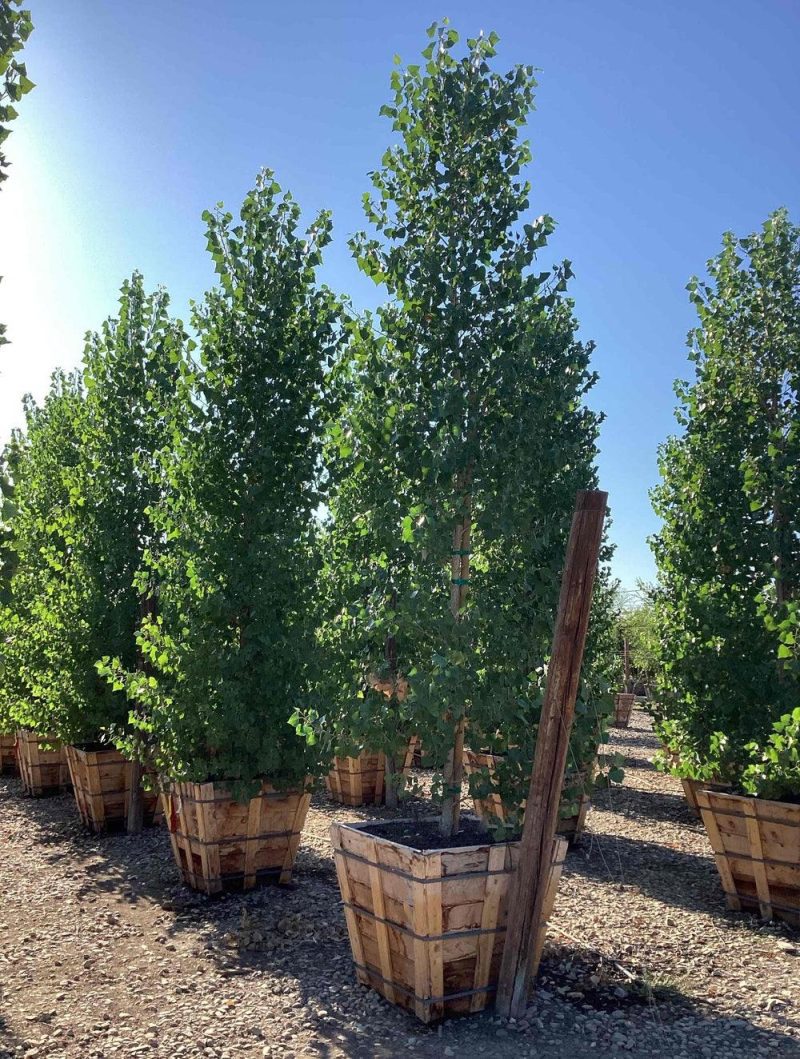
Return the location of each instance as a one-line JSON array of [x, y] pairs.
[[104, 954]]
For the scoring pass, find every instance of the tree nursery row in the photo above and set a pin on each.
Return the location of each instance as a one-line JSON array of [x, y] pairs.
[[290, 542]]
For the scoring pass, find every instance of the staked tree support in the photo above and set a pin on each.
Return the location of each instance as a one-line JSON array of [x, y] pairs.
[[529, 883]]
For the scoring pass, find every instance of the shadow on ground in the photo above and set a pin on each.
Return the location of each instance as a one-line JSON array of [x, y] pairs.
[[666, 808]]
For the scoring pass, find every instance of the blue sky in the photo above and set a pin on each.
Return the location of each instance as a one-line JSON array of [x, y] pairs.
[[658, 126]]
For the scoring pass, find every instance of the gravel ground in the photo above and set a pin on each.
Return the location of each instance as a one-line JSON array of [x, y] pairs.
[[103, 953]]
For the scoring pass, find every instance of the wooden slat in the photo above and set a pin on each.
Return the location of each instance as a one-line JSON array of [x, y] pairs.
[[254, 828], [717, 845], [96, 794], [342, 874], [354, 772], [422, 970], [301, 812], [376, 877], [757, 853], [494, 889], [433, 901]]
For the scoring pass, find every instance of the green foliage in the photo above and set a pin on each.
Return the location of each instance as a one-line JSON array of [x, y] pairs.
[[462, 431], [775, 772], [15, 28], [96, 531], [10, 459], [636, 628], [33, 619], [728, 555], [229, 655]]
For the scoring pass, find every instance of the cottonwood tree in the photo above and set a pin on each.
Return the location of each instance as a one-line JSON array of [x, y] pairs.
[[728, 554]]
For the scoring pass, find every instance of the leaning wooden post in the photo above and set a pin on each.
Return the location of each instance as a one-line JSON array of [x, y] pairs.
[[529, 882]]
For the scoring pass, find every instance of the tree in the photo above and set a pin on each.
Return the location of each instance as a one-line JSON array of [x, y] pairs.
[[230, 651], [637, 638], [467, 436], [728, 554], [33, 622], [97, 530]]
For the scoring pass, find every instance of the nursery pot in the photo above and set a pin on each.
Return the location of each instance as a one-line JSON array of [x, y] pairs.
[[623, 708], [8, 754], [361, 780], [221, 844], [691, 788], [101, 782], [42, 771], [756, 846], [491, 807], [426, 926]]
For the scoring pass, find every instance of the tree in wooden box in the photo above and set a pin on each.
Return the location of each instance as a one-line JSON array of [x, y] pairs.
[[40, 462], [230, 652], [728, 558], [456, 382], [87, 607]]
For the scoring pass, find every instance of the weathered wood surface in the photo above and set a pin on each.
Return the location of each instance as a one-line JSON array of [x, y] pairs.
[[530, 883], [427, 928], [221, 844], [362, 780], [8, 754], [756, 846], [490, 807], [42, 771], [691, 787], [101, 783], [623, 708]]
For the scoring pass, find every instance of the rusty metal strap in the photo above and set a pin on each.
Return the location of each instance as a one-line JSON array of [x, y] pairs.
[[414, 878], [428, 999], [235, 840], [474, 933], [227, 800]]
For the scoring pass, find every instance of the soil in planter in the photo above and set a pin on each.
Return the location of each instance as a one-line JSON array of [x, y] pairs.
[[425, 834]]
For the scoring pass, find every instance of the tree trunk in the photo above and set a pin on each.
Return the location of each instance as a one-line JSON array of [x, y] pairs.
[[459, 583]]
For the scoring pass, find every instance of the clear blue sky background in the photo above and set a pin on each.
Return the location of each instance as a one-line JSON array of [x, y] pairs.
[[659, 125]]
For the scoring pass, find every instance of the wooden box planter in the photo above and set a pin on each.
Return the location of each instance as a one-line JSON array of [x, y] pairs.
[[221, 844], [8, 754], [491, 807], [42, 771], [101, 782], [361, 780], [691, 788], [426, 927], [756, 845], [623, 708]]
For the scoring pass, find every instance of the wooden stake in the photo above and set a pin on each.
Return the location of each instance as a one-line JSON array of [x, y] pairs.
[[529, 883]]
